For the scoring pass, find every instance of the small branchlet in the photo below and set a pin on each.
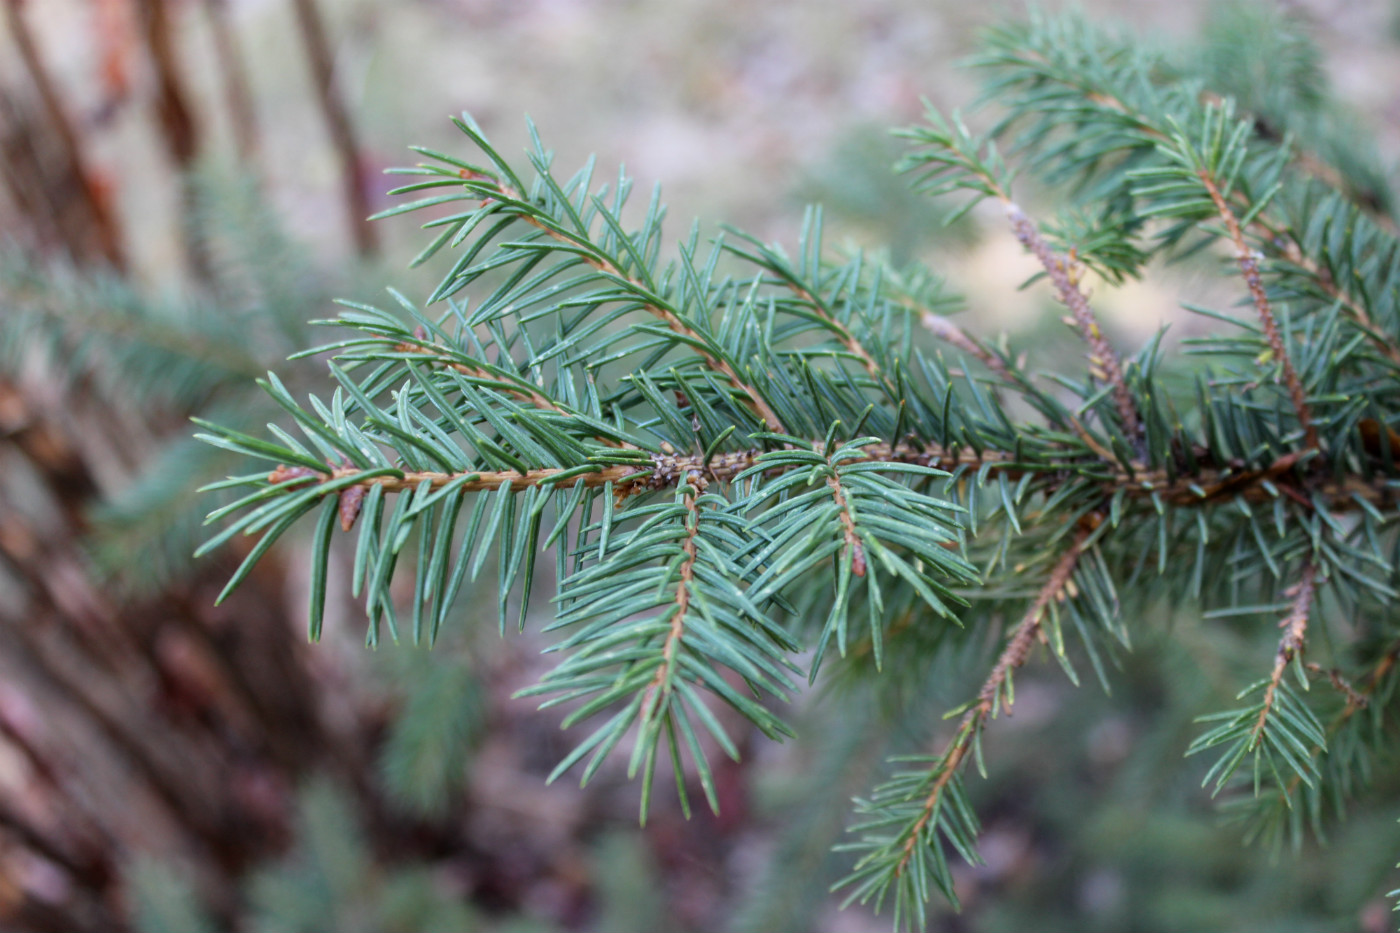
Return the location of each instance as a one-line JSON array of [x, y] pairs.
[[1249, 268], [1290, 647], [1065, 275]]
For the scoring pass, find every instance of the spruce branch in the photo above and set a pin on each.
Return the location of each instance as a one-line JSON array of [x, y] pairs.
[[1347, 750], [1117, 105], [803, 281], [732, 451], [855, 552], [647, 639], [996, 693], [1207, 488], [952, 334]]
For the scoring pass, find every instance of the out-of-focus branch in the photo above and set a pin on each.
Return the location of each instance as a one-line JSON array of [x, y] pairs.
[[179, 131], [237, 94], [100, 225], [318, 54]]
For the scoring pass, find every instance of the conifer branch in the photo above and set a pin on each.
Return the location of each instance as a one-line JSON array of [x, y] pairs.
[[1355, 698], [1249, 268], [1334, 772], [1139, 125], [1010, 375], [1283, 244], [854, 548], [843, 333], [694, 546], [1278, 733], [516, 388], [957, 160]]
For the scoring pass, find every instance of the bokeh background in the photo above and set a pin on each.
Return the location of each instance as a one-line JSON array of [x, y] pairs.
[[184, 187]]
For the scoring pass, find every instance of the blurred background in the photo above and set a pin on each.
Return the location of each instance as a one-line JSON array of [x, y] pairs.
[[183, 185]]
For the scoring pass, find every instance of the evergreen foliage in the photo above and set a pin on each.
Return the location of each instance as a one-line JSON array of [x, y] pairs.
[[753, 467]]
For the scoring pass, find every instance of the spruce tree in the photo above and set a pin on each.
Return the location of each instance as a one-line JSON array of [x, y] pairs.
[[753, 468]]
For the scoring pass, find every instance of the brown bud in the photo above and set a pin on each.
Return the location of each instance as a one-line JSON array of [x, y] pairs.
[[350, 499]]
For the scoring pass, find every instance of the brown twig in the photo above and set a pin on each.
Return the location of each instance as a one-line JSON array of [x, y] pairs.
[[1206, 487], [517, 388], [990, 697], [848, 525], [950, 333], [660, 683], [843, 333], [1354, 697], [510, 387], [1287, 248], [1064, 274], [1249, 268]]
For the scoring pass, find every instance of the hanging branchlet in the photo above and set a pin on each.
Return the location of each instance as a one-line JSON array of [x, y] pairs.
[[1278, 731], [1290, 647], [996, 694], [908, 815]]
